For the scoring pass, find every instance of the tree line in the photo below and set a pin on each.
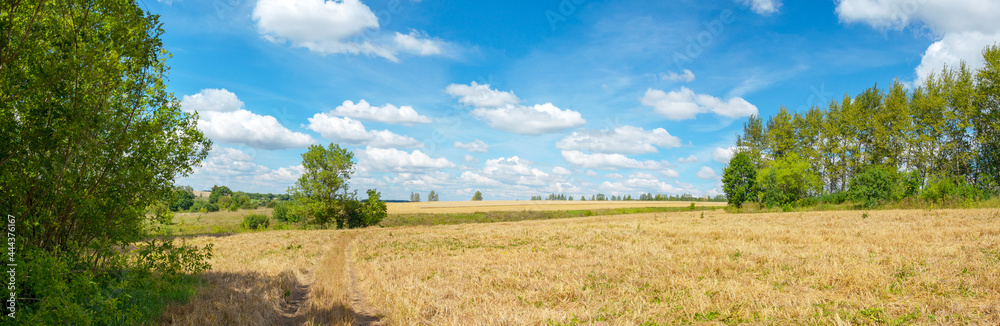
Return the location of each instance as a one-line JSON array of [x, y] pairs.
[[879, 145]]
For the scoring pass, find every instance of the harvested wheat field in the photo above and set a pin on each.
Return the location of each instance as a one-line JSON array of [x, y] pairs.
[[271, 278], [441, 207], [880, 267]]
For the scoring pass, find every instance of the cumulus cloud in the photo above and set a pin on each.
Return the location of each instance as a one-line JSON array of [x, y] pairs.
[[964, 27], [530, 120], [601, 161], [723, 155], [418, 43], [388, 113], [706, 173], [684, 104], [621, 140], [470, 159], [763, 7], [222, 118], [670, 173], [500, 110], [481, 96], [640, 184], [328, 27], [514, 170], [419, 180], [477, 146], [689, 159], [394, 160], [686, 76], [561, 171], [237, 169], [350, 131], [478, 179]]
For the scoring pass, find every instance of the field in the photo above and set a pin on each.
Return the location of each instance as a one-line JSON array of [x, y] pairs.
[[444, 207], [835, 267]]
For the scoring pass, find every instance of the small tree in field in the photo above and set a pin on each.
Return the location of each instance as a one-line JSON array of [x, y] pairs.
[[478, 196], [739, 180], [323, 186], [433, 196]]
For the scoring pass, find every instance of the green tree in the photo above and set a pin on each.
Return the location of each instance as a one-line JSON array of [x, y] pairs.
[[91, 138], [218, 192], [478, 196], [874, 186], [987, 121], [787, 180], [323, 186], [371, 211], [753, 141], [739, 179], [183, 199], [432, 196]]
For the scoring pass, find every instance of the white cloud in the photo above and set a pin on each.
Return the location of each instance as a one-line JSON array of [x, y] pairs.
[[639, 184], [501, 111], [601, 161], [621, 140], [470, 159], [684, 104], [614, 176], [222, 118], [953, 49], [670, 173], [478, 179], [236, 169], [561, 171], [723, 155], [387, 114], [689, 159], [964, 27], [344, 26], [514, 170], [530, 120], [481, 96], [763, 7], [686, 76], [350, 131], [706, 173], [418, 43], [391, 159], [477, 146], [420, 180]]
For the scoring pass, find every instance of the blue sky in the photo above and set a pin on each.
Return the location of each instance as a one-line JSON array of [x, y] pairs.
[[519, 98]]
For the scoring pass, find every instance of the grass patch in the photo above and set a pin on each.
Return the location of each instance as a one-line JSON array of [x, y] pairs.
[[395, 220]]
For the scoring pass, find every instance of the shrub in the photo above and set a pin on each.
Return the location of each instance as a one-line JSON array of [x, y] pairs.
[[255, 222], [873, 186], [740, 180], [787, 180], [945, 187]]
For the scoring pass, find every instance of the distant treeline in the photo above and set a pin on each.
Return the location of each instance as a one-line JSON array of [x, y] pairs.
[[643, 197], [945, 129]]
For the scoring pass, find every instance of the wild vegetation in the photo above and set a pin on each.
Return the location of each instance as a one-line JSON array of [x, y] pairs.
[[91, 139], [936, 142]]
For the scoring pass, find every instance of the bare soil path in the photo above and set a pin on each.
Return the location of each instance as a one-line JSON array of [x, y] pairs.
[[364, 314]]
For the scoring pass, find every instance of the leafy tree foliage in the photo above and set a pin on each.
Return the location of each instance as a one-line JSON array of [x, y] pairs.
[[370, 212], [218, 192], [323, 186], [477, 196], [874, 186], [183, 199], [415, 197], [432, 196], [787, 180], [945, 127], [91, 139], [739, 179]]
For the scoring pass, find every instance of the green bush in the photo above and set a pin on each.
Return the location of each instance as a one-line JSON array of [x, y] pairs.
[[873, 186], [281, 212], [255, 222], [944, 188]]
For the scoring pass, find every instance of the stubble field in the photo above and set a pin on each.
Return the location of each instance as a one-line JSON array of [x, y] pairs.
[[844, 267]]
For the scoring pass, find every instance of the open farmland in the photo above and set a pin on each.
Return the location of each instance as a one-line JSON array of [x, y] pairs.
[[878, 267], [444, 207]]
